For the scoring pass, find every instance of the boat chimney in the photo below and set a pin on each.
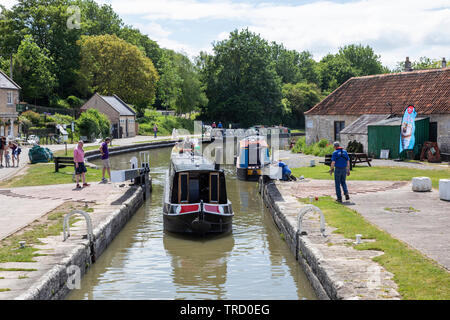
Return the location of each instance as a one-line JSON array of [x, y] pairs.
[[408, 65]]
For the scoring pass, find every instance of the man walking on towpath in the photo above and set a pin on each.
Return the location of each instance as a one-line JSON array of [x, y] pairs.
[[105, 159], [340, 165]]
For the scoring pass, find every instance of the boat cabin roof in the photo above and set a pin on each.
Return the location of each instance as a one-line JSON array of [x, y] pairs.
[[188, 162], [244, 143]]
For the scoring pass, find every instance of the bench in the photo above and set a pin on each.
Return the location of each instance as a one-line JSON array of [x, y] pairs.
[[62, 162]]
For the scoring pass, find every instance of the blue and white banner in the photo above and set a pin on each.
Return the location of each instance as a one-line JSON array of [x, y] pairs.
[[407, 129]]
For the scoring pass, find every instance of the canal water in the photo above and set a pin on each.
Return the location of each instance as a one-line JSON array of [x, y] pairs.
[[144, 262]]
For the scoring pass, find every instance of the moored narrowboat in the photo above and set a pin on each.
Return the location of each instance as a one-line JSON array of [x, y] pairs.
[[253, 156]]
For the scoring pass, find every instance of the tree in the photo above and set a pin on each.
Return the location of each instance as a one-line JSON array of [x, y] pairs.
[[350, 61], [110, 65], [242, 83], [169, 85], [33, 70], [46, 22], [299, 98]]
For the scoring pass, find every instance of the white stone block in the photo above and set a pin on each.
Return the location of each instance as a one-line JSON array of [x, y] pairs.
[[421, 184], [444, 189]]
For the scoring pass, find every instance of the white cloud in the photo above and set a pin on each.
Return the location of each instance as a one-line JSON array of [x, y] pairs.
[[394, 29]]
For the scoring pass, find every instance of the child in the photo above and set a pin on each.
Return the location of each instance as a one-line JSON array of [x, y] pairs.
[[7, 158]]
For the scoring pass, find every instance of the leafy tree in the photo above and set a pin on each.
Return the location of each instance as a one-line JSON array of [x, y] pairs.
[[32, 69], [46, 22], [97, 20], [150, 48], [242, 83], [169, 85], [299, 98], [350, 61], [293, 66], [110, 65]]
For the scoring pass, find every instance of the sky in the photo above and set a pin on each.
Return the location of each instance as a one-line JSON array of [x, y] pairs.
[[395, 29]]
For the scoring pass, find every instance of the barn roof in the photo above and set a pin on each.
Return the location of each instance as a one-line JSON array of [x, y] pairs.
[[427, 90]]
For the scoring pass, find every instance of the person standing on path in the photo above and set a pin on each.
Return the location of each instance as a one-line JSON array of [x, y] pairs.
[[2, 147], [12, 146], [105, 160], [155, 129], [340, 165], [80, 168]]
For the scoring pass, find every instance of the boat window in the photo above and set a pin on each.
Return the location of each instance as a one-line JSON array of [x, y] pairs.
[[183, 187], [214, 187]]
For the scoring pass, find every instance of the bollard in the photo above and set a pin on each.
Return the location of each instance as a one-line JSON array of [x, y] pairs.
[[444, 189]]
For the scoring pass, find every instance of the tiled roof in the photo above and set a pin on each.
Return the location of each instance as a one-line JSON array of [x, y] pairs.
[[427, 90]]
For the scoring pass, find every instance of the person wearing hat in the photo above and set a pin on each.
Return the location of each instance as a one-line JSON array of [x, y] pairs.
[[340, 165]]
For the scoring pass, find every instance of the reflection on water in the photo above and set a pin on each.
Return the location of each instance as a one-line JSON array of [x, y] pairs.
[[144, 262]]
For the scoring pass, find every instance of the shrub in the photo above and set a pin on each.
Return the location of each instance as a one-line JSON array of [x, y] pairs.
[[93, 124], [320, 149]]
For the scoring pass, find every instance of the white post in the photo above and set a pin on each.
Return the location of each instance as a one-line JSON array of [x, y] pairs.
[[12, 127]]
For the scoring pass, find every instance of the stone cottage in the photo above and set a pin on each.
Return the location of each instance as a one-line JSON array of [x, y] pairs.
[[345, 114], [121, 116], [9, 98]]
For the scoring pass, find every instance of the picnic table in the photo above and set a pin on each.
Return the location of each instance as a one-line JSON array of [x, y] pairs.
[[359, 158], [354, 159]]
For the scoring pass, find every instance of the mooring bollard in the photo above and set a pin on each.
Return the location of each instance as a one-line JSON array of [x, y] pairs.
[[66, 231], [305, 210], [444, 189], [421, 184]]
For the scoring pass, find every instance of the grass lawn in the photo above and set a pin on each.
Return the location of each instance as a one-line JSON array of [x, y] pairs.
[[49, 225], [367, 173], [40, 174], [417, 277], [62, 153]]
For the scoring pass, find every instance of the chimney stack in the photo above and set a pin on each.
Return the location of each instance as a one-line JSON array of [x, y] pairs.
[[444, 63], [408, 65]]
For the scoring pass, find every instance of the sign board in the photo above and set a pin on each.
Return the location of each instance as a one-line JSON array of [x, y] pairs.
[[384, 154], [407, 129], [309, 124]]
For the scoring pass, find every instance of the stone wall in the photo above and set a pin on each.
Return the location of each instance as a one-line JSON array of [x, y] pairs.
[[335, 269], [322, 126], [443, 140]]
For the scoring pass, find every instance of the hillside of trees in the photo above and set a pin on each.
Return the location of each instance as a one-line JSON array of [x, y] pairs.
[[62, 51]]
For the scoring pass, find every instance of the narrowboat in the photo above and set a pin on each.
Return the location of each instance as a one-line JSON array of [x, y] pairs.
[[253, 156], [195, 195]]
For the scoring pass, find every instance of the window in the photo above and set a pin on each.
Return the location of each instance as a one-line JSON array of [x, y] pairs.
[[214, 187], [338, 127], [183, 188], [10, 97]]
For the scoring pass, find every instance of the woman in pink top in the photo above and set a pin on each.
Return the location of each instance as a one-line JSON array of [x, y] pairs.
[[80, 168]]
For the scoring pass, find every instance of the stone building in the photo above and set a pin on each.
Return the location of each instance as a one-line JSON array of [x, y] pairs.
[[345, 114], [121, 116], [9, 98]]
